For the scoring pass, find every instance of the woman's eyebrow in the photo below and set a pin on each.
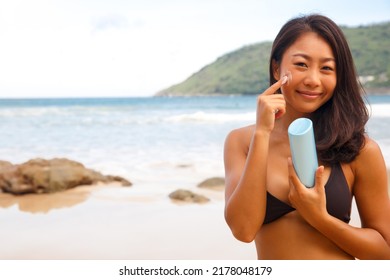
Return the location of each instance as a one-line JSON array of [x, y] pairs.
[[308, 57]]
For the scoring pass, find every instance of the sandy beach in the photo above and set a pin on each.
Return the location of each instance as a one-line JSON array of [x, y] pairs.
[[113, 222]]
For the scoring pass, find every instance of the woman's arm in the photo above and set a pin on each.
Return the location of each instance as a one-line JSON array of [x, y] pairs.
[[372, 199], [372, 241], [245, 158], [245, 176]]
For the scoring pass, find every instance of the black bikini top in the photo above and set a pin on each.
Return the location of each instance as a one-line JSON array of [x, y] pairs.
[[338, 199]]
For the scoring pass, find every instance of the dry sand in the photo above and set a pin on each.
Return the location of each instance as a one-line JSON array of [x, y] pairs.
[[115, 223]]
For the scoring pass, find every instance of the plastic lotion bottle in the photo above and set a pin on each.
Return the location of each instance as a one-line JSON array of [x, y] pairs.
[[303, 150]]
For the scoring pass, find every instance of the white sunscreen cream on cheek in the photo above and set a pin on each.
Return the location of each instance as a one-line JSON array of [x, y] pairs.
[[287, 78]]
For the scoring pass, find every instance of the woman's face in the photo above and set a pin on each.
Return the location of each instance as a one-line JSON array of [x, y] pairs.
[[312, 65]]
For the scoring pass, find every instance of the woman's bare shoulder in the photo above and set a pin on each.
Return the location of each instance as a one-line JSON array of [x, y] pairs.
[[237, 141], [240, 134], [369, 170], [369, 154]]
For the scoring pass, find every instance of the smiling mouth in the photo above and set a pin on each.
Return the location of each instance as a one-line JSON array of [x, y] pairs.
[[309, 94]]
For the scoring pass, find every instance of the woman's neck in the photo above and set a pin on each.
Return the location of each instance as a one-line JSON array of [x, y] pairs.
[[291, 115]]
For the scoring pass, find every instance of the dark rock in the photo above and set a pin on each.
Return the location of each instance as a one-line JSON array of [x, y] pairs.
[[48, 176], [188, 196], [216, 183]]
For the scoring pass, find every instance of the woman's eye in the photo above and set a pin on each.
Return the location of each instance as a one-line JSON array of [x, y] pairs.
[[301, 64], [327, 68]]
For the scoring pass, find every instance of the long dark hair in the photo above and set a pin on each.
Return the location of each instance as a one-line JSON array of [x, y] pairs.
[[339, 124]]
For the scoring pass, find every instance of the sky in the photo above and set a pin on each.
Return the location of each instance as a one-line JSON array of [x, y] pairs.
[[119, 48]]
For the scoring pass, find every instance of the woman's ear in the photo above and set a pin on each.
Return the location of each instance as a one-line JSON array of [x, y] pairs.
[[275, 70]]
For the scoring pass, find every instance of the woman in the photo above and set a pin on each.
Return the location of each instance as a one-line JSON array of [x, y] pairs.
[[312, 75]]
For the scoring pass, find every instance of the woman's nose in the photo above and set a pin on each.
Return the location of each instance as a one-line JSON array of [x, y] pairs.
[[312, 79]]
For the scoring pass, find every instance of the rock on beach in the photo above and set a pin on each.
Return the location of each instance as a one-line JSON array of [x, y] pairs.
[[215, 183], [48, 176], [188, 196]]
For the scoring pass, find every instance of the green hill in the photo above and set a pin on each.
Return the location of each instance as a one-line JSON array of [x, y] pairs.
[[245, 71]]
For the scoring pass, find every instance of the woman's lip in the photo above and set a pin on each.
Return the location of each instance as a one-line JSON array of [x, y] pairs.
[[309, 94]]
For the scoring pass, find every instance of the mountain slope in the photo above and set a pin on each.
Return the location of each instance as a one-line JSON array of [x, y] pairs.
[[245, 71]]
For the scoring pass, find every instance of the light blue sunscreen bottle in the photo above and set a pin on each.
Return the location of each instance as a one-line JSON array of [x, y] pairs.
[[303, 150]]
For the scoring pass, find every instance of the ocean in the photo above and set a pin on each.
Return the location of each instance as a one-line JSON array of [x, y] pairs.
[[171, 142]]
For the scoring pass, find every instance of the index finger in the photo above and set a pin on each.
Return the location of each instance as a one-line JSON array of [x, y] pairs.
[[272, 89]]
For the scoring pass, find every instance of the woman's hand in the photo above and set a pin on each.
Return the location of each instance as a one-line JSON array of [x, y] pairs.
[[270, 106], [309, 202]]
